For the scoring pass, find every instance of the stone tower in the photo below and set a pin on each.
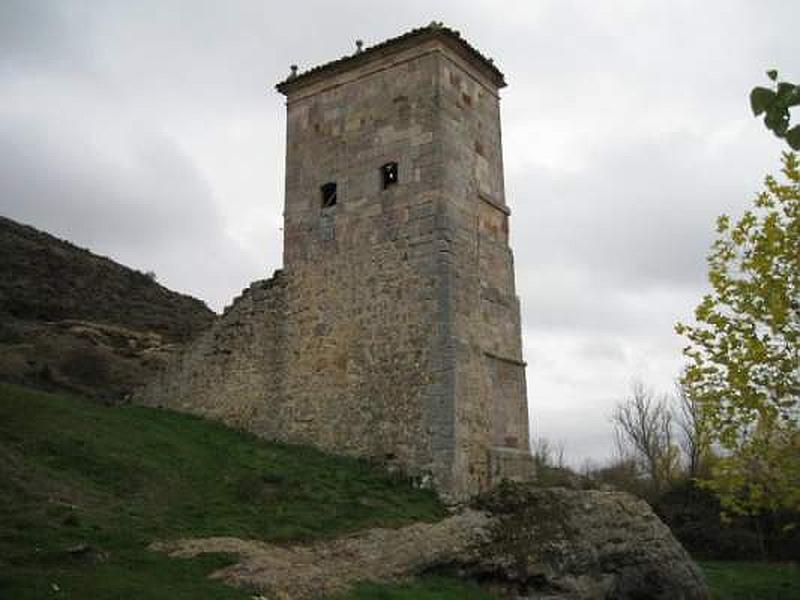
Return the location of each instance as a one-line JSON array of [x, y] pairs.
[[394, 331], [396, 240]]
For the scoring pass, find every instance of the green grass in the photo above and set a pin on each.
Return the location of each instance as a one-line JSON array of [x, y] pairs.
[[85, 488], [427, 588], [735, 580]]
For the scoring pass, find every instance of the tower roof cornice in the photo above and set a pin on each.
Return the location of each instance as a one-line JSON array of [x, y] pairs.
[[435, 31]]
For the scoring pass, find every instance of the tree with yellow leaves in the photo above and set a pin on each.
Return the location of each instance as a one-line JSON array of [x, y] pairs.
[[744, 351]]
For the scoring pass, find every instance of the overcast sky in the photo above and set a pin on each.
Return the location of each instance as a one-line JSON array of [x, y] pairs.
[[150, 132]]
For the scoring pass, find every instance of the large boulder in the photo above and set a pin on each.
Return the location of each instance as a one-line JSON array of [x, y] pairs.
[[554, 542]]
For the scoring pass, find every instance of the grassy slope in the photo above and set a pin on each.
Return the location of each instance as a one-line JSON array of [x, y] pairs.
[[752, 581], [427, 588], [84, 489], [115, 479]]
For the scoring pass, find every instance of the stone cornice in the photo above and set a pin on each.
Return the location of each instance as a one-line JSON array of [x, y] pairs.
[[435, 31]]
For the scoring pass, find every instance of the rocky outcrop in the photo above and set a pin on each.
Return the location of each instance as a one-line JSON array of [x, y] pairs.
[[72, 320], [554, 542], [106, 362], [518, 540]]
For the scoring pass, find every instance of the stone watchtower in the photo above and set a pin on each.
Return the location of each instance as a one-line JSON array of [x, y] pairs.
[[393, 331], [404, 342]]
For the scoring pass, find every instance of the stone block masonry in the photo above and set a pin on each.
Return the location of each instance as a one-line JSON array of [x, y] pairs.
[[233, 371], [393, 331]]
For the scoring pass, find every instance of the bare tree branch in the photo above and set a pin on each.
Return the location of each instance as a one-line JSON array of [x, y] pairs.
[[693, 437], [643, 427]]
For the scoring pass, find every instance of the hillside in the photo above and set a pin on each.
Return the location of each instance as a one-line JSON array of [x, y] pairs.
[[86, 489], [43, 278], [81, 498], [70, 319]]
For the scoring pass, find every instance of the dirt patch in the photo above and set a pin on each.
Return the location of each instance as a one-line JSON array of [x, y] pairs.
[[305, 572], [524, 541]]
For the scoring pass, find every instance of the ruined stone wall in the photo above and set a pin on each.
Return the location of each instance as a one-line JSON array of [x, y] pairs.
[[234, 371]]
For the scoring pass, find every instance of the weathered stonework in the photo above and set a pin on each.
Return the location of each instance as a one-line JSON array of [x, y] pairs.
[[234, 370], [393, 331]]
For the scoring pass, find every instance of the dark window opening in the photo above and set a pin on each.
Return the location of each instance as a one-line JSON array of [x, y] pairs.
[[328, 195], [389, 172]]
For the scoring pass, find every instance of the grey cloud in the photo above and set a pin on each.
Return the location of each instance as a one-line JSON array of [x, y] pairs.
[[604, 350], [149, 208], [38, 35], [149, 131], [58, 176], [639, 215]]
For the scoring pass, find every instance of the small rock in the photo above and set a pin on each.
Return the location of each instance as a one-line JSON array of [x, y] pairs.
[[79, 549]]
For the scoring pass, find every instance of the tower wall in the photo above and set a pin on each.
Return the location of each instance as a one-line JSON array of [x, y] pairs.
[[491, 419], [412, 287], [368, 369]]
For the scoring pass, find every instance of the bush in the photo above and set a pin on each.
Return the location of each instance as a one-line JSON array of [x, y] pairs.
[[693, 515]]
